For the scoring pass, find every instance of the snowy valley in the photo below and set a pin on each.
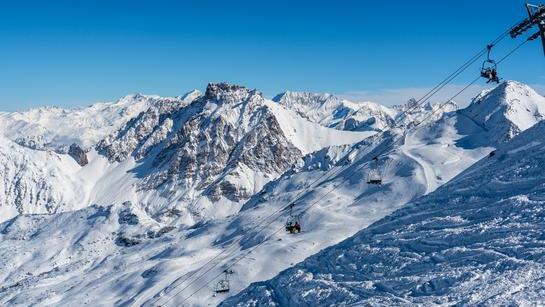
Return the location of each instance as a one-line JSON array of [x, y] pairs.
[[146, 201]]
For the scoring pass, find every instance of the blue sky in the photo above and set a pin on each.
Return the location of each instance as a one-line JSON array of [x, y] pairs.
[[73, 53]]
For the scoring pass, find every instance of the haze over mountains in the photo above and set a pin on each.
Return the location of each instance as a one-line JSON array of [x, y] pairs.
[[120, 201]]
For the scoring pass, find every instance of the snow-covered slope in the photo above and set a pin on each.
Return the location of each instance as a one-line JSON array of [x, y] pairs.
[[181, 183], [208, 157], [200, 155], [510, 108], [34, 181], [56, 129], [336, 200], [331, 111], [479, 240]]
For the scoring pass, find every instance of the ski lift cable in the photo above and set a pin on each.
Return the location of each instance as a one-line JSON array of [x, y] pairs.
[[470, 84], [422, 100], [461, 91], [427, 96], [233, 244], [458, 71], [514, 50], [263, 220], [462, 68], [354, 172]]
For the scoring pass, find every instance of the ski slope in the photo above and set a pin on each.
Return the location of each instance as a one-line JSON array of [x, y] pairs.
[[129, 246], [478, 240], [339, 205]]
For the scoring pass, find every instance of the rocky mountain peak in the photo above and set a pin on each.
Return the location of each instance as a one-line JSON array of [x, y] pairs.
[[228, 93], [290, 98], [334, 112]]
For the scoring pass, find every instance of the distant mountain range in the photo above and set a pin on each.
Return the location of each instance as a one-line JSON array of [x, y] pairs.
[[124, 202]]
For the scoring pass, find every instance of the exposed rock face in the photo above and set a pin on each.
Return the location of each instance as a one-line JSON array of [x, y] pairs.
[[78, 154], [219, 149], [217, 145], [34, 181], [55, 129], [264, 149], [226, 92], [143, 132], [334, 112]]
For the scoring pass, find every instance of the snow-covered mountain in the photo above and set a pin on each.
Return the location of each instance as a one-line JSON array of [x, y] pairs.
[[33, 181], [478, 240], [185, 179], [53, 128], [218, 150], [200, 155], [509, 109], [332, 111]]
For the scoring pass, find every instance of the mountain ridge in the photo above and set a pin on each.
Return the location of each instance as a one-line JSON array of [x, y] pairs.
[[477, 240], [188, 179]]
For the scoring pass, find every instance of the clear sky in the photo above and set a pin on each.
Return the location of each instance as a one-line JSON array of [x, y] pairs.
[[73, 53]]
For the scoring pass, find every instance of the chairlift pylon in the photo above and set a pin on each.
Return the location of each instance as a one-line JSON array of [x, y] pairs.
[[536, 15]]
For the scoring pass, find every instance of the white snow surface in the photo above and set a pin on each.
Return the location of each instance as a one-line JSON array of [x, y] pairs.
[[511, 108], [309, 136], [331, 111], [56, 128], [477, 241], [41, 179], [31, 181], [128, 246]]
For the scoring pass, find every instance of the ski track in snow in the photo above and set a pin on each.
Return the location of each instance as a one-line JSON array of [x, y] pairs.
[[427, 171], [470, 243], [98, 246]]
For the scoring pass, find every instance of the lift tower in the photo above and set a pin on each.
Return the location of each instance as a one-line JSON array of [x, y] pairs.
[[536, 17]]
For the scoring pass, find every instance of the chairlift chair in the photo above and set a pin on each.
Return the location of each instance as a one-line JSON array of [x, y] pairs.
[[222, 286], [489, 70], [374, 176], [293, 225]]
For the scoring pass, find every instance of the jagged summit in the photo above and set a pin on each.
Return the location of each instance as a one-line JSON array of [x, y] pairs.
[[335, 112], [305, 98], [228, 93], [508, 109]]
